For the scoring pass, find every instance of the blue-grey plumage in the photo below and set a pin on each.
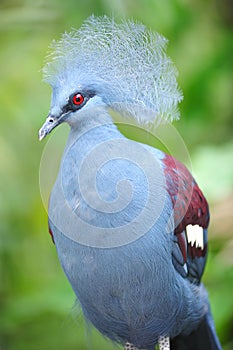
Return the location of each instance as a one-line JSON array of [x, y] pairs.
[[133, 258]]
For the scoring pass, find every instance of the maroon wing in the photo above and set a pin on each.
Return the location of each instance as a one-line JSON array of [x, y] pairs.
[[191, 219]]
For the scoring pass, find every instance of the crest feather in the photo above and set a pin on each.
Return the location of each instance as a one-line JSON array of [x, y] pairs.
[[124, 62]]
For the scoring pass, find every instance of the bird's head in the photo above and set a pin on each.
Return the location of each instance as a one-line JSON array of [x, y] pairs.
[[120, 66], [67, 108]]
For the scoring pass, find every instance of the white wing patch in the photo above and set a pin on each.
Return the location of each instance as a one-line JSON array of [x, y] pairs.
[[129, 346], [195, 235], [164, 343]]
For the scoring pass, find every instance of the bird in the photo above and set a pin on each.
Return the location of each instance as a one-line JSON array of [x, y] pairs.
[[129, 222]]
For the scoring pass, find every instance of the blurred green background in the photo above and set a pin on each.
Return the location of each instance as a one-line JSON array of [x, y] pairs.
[[37, 303]]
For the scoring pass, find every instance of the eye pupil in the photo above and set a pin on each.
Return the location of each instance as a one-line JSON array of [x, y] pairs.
[[78, 99]]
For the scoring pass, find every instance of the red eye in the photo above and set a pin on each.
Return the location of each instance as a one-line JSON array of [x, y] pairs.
[[78, 99]]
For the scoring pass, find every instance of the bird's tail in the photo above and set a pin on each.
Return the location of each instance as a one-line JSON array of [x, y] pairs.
[[203, 338]]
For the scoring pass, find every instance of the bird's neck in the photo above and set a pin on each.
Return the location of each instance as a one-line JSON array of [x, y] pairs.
[[96, 119]]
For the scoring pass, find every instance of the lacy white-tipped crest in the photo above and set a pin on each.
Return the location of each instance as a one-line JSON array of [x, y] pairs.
[[124, 63]]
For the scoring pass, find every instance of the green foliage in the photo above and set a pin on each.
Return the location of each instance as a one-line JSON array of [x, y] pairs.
[[35, 297]]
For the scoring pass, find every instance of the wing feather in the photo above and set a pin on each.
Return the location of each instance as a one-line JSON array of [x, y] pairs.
[[191, 218]]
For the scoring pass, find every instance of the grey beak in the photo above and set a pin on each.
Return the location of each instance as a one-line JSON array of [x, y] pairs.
[[50, 123]]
